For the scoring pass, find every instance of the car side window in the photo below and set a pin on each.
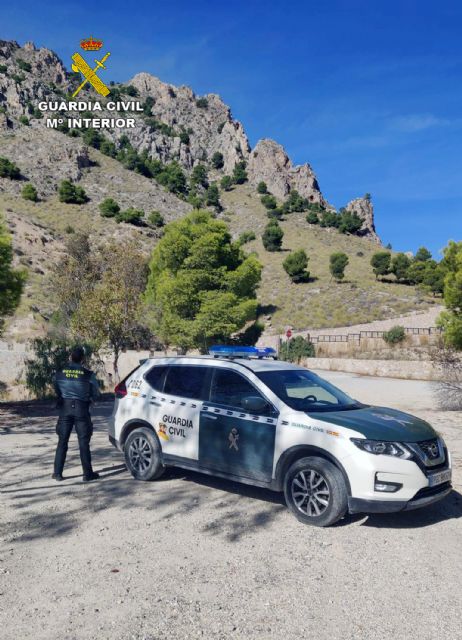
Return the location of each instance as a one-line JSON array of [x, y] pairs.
[[186, 381], [230, 388], [155, 377]]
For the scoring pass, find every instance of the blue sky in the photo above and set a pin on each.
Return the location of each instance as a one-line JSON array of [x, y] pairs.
[[368, 92]]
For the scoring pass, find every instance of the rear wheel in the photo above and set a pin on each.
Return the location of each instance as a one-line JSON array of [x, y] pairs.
[[143, 455], [315, 491]]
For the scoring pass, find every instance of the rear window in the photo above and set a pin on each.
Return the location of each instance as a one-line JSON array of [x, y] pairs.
[[186, 381], [155, 377]]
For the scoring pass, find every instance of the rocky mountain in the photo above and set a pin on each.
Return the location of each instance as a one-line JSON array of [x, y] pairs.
[[175, 125]]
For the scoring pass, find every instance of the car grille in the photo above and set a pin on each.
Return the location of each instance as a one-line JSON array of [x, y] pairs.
[[426, 492], [429, 453], [430, 448]]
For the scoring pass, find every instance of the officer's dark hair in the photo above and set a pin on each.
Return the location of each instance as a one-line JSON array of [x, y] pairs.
[[77, 354]]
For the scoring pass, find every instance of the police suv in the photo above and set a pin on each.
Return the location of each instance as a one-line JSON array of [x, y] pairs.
[[241, 415]]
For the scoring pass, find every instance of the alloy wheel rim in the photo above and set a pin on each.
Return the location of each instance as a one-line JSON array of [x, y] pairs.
[[310, 493], [140, 454]]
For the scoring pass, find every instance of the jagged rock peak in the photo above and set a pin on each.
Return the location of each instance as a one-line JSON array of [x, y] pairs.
[[364, 208], [269, 162]]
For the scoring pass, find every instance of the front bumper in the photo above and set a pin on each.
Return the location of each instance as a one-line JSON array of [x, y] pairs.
[[423, 498]]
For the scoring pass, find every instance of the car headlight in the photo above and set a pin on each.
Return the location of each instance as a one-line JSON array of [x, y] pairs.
[[380, 448]]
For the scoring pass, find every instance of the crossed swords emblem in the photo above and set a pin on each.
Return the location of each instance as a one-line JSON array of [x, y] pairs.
[[89, 74]]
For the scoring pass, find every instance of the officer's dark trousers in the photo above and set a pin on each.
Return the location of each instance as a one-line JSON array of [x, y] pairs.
[[74, 413]]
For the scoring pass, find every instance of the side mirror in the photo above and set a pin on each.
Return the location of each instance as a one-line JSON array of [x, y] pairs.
[[255, 404]]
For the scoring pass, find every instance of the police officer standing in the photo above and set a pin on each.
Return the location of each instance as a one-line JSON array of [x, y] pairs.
[[75, 387]]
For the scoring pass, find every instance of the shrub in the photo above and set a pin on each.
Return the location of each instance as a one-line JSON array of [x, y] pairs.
[[350, 222], [23, 65], [269, 201], [108, 148], [69, 229], [220, 127], [217, 160], [9, 170], [295, 266], [272, 236], [184, 137], [295, 202], [18, 78], [202, 103], [29, 192], [130, 90], [246, 236], [262, 188], [24, 120], [239, 172], [173, 178], [226, 183], [109, 208], [395, 335], [71, 193], [148, 105], [3, 68], [312, 217], [338, 262], [156, 219], [131, 216], [295, 349], [274, 214], [330, 219], [380, 263], [93, 138]]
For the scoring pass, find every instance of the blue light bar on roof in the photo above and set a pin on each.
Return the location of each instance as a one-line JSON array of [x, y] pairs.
[[225, 351]]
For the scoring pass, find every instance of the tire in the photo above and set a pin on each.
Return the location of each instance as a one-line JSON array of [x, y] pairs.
[[143, 455], [315, 491]]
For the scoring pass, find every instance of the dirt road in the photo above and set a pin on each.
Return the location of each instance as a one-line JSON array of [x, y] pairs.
[[193, 557]]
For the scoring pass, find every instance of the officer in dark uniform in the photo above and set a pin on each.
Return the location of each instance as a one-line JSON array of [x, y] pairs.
[[75, 387]]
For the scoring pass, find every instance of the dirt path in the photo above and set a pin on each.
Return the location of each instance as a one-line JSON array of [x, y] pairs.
[[194, 557]]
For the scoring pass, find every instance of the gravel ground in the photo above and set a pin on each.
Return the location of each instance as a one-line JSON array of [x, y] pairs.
[[195, 557]]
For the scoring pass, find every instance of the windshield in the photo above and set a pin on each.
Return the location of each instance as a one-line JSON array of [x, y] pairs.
[[305, 391]]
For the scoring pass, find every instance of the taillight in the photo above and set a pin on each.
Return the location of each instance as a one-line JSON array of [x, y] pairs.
[[120, 390]]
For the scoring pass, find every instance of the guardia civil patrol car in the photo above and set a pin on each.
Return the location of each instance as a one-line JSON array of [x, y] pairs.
[[241, 415]]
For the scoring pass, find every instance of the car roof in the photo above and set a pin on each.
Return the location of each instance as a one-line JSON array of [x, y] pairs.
[[254, 364]]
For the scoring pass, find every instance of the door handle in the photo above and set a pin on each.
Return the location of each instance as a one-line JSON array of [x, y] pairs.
[[209, 416]]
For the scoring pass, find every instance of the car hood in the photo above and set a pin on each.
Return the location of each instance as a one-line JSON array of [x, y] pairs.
[[380, 423]]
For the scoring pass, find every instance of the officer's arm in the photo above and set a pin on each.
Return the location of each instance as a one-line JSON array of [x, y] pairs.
[[94, 386], [59, 395]]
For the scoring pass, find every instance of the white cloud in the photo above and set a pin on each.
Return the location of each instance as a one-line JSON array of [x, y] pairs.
[[417, 122]]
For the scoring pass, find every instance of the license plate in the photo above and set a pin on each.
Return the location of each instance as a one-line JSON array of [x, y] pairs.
[[439, 477]]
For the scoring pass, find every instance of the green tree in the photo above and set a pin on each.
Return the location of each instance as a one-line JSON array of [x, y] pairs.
[[312, 217], [239, 173], [337, 264], [330, 219], [93, 138], [245, 237], [217, 160], [201, 286], [269, 201], [381, 263], [451, 319], [262, 188], [109, 316], [212, 197], [226, 183], [295, 202], [199, 176], [9, 170], [202, 103], [434, 278], [11, 280], [131, 216], [296, 348], [272, 236], [422, 255], [29, 192], [109, 208], [350, 222], [173, 178], [156, 219], [400, 265], [71, 194], [295, 266]]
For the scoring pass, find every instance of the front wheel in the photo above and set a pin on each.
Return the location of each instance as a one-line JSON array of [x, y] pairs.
[[143, 455], [315, 491]]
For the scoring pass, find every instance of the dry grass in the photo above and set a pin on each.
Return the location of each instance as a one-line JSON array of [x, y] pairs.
[[320, 302]]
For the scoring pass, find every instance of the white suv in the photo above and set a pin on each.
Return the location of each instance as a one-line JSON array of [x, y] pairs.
[[276, 425]]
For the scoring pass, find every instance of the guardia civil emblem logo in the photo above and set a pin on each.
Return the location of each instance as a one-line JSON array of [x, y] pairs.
[[90, 75]]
